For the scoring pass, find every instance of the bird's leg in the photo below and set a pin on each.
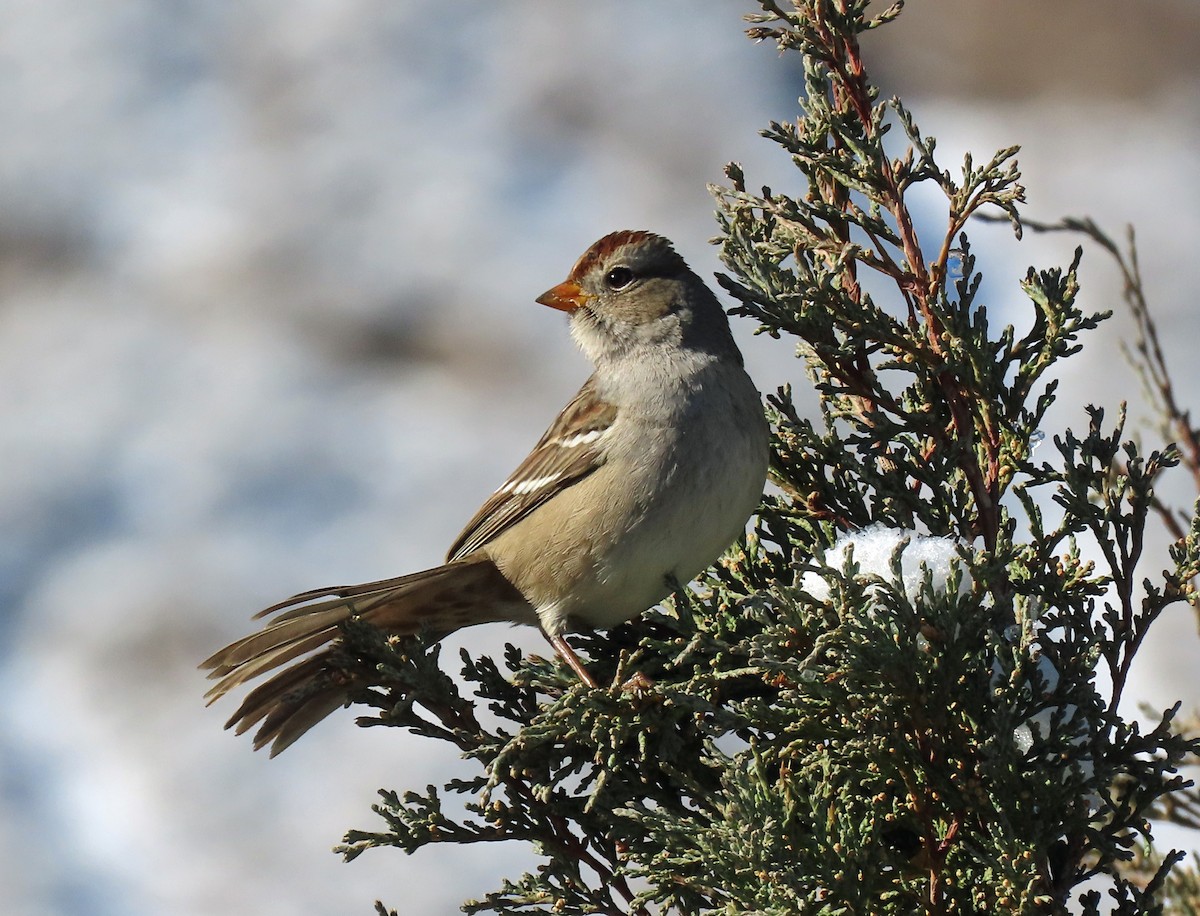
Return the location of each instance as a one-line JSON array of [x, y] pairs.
[[567, 654], [639, 684]]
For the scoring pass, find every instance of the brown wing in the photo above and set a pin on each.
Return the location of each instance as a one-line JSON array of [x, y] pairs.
[[568, 451]]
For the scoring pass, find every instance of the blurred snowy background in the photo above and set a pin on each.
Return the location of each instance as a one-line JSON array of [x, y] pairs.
[[266, 322]]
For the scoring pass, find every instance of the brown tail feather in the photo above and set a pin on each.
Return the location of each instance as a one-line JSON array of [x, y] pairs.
[[468, 591], [281, 634], [303, 600], [270, 694], [284, 724], [236, 676]]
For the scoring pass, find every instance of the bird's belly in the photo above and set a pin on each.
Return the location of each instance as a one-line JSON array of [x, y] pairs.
[[673, 541]]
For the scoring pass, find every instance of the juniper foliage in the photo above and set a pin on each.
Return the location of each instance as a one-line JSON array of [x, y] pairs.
[[864, 753]]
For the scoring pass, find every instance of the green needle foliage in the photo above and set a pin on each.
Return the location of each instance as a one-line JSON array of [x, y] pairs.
[[765, 750]]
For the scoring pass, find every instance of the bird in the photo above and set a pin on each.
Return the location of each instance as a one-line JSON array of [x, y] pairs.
[[640, 483]]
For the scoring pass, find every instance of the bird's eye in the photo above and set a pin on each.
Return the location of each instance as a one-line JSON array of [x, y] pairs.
[[618, 278]]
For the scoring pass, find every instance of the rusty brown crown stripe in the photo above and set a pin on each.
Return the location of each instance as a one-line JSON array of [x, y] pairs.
[[607, 245]]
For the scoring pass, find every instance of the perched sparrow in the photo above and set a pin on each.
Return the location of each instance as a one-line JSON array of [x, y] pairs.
[[646, 476]]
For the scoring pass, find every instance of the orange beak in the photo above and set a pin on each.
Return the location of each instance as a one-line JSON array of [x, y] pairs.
[[566, 297]]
